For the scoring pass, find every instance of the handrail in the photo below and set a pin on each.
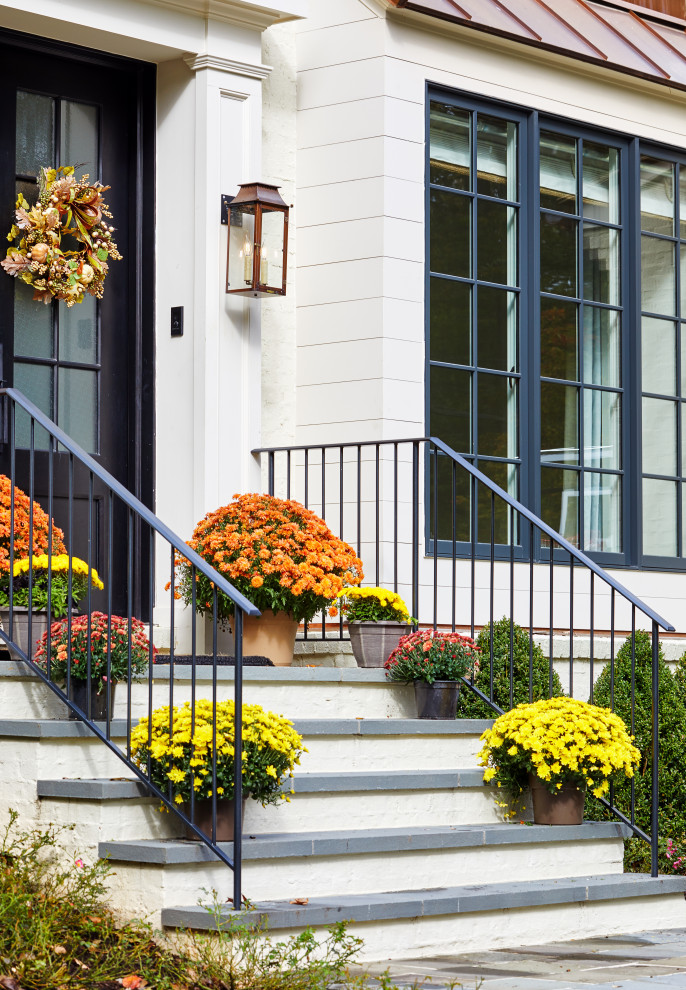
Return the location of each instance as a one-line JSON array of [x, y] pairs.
[[132, 502], [121, 511], [512, 502], [371, 491]]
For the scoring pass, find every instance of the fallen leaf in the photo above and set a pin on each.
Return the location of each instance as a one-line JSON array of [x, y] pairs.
[[300, 900], [81, 964], [59, 950], [133, 982], [9, 983]]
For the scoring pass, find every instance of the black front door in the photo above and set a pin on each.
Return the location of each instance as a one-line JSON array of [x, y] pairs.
[[88, 367]]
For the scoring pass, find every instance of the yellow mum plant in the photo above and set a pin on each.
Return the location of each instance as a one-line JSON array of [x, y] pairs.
[[561, 741], [58, 565], [371, 605], [181, 759]]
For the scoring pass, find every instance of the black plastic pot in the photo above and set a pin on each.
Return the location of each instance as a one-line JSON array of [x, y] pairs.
[[437, 700], [79, 692]]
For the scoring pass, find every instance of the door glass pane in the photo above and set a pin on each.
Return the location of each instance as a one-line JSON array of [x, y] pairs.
[[451, 407], [33, 333], [601, 182], [497, 328], [497, 242], [558, 255], [659, 436], [450, 233], [496, 157], [601, 264], [79, 331], [506, 477], [602, 513], [497, 423], [35, 133], [602, 429], [558, 172], [79, 138], [450, 314], [36, 382], [657, 196], [658, 356], [602, 347], [657, 276], [450, 146], [659, 517], [682, 263], [682, 200], [560, 502], [559, 423], [77, 407], [559, 344]]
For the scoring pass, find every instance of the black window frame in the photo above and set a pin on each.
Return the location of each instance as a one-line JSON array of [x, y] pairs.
[[631, 148]]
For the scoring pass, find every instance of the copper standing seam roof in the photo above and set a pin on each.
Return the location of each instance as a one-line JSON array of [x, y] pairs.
[[614, 33]]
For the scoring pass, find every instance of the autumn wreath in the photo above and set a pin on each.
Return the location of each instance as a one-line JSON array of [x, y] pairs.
[[277, 553], [69, 208]]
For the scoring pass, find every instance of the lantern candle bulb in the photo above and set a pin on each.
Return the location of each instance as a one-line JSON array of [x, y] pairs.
[[264, 267], [247, 262]]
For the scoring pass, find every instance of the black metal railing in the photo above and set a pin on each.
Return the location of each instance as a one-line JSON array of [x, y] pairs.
[[462, 551], [107, 527]]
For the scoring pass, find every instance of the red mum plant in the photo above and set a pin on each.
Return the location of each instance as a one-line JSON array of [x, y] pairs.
[[23, 511], [432, 656], [103, 633], [277, 553]]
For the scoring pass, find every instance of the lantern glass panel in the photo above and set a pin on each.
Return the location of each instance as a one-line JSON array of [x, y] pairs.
[[271, 252], [241, 248]]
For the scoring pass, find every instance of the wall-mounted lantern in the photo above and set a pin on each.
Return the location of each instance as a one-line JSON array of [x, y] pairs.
[[257, 241]]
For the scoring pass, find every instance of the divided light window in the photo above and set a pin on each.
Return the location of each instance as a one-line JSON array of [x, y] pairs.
[[474, 369], [556, 314]]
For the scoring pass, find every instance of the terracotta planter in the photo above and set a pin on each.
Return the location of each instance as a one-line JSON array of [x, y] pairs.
[[373, 642], [203, 818], [437, 700], [272, 635], [20, 631], [565, 807], [94, 705]]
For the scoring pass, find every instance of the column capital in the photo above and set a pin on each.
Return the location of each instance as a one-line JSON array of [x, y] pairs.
[[203, 60]]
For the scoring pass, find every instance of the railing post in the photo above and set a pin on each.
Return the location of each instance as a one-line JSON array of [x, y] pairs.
[[654, 812], [415, 530], [238, 762]]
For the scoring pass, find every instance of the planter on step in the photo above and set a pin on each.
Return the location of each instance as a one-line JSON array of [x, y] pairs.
[[271, 635], [85, 695], [20, 630], [564, 807], [203, 818], [437, 700], [373, 642]]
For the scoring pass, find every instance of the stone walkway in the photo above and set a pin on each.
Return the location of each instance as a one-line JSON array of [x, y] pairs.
[[655, 960]]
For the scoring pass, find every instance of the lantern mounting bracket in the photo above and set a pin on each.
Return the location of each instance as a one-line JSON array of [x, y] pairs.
[[226, 203]]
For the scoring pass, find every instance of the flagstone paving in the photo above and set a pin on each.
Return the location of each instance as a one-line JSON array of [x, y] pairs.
[[655, 960]]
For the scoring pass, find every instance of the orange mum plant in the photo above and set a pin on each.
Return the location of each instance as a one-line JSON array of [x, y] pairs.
[[22, 519], [277, 553]]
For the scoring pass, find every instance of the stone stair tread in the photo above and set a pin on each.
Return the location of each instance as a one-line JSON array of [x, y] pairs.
[[438, 901], [303, 783], [277, 845], [391, 726], [57, 728]]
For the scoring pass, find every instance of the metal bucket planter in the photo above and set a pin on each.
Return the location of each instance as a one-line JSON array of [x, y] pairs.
[[565, 807], [373, 642], [203, 818], [437, 700], [20, 630]]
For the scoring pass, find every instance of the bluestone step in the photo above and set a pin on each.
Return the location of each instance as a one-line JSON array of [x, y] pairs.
[[427, 921]]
